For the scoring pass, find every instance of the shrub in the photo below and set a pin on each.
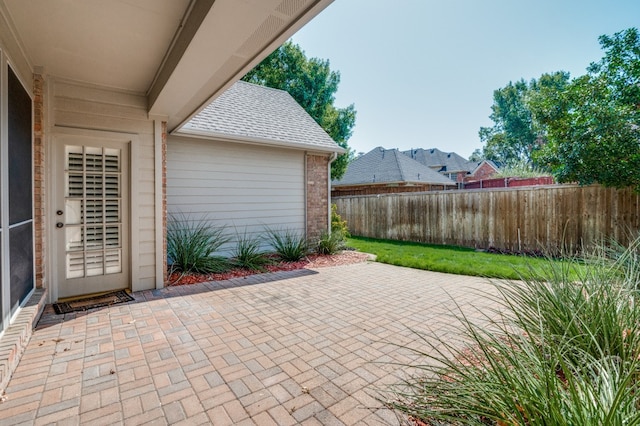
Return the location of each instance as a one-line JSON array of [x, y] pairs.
[[330, 243], [554, 352], [289, 244], [248, 253], [191, 245], [520, 169], [337, 224]]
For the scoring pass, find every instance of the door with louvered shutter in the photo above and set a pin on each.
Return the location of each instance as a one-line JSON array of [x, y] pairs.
[[92, 216]]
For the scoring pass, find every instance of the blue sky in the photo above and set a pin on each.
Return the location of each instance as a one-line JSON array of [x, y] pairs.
[[421, 73]]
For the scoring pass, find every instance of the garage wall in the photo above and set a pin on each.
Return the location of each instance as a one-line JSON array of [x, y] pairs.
[[245, 188]]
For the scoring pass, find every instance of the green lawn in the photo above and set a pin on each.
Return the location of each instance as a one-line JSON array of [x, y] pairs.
[[456, 260]]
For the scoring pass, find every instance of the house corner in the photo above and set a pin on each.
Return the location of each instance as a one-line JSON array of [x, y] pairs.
[[317, 190]]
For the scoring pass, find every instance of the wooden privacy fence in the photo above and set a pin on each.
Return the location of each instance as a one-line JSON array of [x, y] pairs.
[[555, 218]]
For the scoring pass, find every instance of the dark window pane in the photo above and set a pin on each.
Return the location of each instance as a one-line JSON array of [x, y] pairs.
[[20, 164], [21, 260]]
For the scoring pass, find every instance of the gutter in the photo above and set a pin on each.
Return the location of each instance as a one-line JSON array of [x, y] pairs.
[[252, 140]]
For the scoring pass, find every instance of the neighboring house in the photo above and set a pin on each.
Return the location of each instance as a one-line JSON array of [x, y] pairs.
[[448, 164], [485, 169], [242, 162], [483, 177], [383, 171], [90, 92]]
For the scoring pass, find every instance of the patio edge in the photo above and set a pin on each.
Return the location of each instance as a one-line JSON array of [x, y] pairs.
[[17, 336]]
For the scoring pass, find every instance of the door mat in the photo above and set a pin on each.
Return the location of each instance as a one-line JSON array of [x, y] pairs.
[[87, 303]]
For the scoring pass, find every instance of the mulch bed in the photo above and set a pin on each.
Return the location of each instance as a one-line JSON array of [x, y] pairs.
[[310, 262]]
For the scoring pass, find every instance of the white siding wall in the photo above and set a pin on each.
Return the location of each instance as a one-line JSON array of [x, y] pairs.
[[245, 188], [92, 108]]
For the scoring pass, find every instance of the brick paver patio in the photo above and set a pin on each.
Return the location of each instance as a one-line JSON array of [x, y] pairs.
[[301, 347]]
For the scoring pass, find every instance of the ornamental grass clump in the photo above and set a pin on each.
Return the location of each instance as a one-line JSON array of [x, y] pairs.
[[554, 351], [330, 243], [192, 244], [248, 253], [289, 245]]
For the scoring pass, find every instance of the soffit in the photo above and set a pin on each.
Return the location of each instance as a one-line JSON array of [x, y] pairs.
[[181, 54], [234, 36], [113, 43]]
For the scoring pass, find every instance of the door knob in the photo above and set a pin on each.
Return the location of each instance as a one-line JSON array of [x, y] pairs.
[[59, 225]]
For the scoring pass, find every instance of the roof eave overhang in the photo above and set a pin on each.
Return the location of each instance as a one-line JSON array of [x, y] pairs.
[[258, 141], [202, 64]]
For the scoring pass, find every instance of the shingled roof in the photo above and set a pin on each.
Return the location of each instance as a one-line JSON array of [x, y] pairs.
[[389, 166], [440, 161], [260, 114]]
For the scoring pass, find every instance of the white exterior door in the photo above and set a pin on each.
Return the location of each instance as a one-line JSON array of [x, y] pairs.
[[91, 215]]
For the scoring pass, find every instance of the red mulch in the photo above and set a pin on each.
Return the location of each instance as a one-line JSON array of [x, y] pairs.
[[310, 262]]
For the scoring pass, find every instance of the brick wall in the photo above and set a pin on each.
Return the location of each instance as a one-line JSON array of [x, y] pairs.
[[317, 195], [509, 182], [38, 178], [485, 171], [164, 203]]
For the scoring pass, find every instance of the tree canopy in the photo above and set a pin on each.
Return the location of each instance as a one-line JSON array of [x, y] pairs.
[[313, 85], [516, 136], [593, 124], [585, 129]]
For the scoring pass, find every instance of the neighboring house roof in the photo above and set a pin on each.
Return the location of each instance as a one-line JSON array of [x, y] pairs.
[[260, 114], [448, 162], [389, 166]]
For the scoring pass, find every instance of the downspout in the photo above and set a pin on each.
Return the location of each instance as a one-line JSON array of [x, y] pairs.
[[306, 195], [333, 157]]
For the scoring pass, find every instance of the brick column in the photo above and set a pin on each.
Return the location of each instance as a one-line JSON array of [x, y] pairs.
[[317, 195], [164, 204], [38, 179]]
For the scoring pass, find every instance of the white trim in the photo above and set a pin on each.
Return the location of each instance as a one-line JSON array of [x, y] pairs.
[[50, 270], [306, 194], [5, 279], [257, 141], [21, 305], [159, 234], [131, 140], [134, 211], [24, 222], [5, 308]]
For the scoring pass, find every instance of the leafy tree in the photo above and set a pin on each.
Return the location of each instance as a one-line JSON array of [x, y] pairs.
[[512, 136], [516, 136], [592, 124], [476, 155], [313, 85]]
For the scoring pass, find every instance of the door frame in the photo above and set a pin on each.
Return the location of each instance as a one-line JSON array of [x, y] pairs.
[[56, 166]]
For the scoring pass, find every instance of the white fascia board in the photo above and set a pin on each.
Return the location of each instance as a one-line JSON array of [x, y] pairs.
[[257, 141], [211, 63]]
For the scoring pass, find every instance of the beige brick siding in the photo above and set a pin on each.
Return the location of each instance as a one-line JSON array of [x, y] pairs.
[[164, 203], [38, 178]]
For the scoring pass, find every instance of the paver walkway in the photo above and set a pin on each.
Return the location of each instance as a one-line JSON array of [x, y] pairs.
[[301, 347]]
